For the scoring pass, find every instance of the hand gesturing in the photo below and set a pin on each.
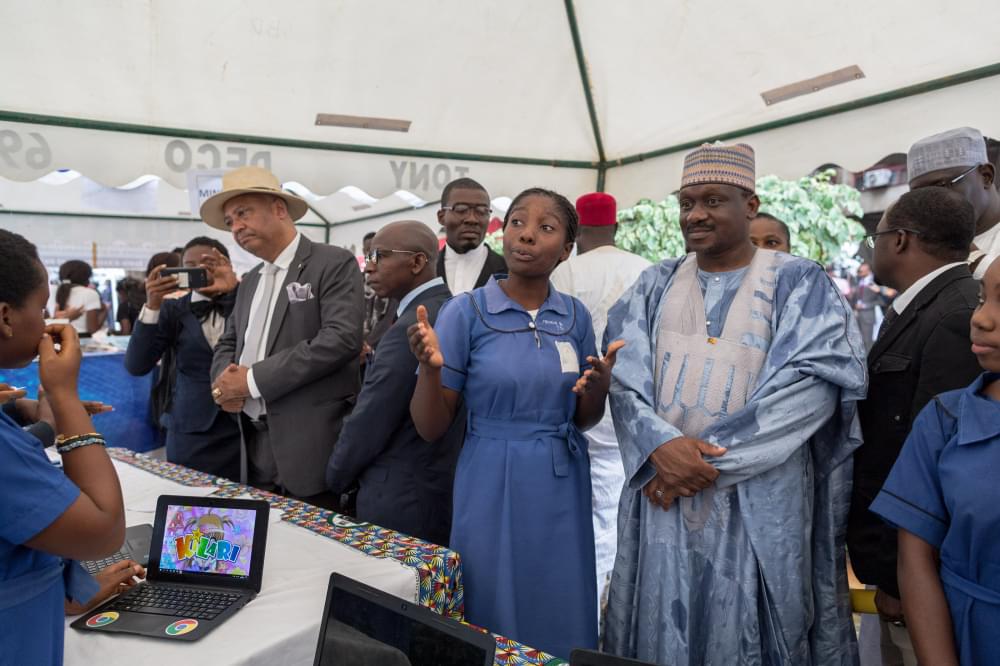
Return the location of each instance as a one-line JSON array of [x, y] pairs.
[[424, 341], [598, 377]]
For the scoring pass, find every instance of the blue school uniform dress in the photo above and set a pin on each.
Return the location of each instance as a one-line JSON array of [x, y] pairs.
[[33, 584], [522, 519], [943, 489]]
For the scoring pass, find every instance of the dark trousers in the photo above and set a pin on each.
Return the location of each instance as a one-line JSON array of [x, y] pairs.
[[262, 470]]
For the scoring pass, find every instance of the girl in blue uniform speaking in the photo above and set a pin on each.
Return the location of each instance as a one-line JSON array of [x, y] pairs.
[[943, 496], [523, 357], [46, 515]]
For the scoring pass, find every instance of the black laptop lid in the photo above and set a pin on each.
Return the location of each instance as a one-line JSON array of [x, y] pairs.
[[363, 626], [209, 541]]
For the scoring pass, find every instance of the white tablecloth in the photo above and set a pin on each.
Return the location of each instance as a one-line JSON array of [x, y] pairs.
[[280, 626]]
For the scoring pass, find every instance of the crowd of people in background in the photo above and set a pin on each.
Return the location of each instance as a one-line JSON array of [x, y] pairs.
[[671, 460]]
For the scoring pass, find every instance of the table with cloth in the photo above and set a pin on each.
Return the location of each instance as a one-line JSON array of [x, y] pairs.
[[103, 377], [304, 545]]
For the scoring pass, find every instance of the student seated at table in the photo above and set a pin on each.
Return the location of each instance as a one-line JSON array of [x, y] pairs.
[[47, 515], [943, 497], [199, 434]]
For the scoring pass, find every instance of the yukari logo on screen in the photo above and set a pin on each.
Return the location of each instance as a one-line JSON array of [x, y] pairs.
[[181, 627], [102, 619], [203, 540]]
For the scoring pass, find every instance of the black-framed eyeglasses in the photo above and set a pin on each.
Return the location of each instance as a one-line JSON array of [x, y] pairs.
[[870, 238], [481, 210], [956, 180], [374, 256]]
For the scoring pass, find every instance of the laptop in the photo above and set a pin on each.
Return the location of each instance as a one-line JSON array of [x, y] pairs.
[[135, 548], [580, 657], [363, 626], [206, 560]]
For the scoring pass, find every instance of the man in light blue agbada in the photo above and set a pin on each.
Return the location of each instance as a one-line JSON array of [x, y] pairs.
[[734, 405]]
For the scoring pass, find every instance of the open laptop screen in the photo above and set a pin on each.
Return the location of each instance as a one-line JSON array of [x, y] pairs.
[[209, 541], [365, 626], [202, 539]]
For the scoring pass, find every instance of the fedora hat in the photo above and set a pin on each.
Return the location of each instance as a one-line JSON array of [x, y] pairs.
[[248, 180]]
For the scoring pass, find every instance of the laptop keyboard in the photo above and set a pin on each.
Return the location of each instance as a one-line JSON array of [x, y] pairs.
[[93, 566], [182, 601]]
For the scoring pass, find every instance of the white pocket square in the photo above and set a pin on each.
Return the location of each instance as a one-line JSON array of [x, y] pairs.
[[299, 292]]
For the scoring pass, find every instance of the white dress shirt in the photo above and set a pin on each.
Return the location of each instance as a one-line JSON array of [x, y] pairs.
[[281, 263], [599, 278], [988, 243], [904, 299], [462, 270], [212, 328]]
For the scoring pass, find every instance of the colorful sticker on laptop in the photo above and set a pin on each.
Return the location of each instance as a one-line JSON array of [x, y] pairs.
[[102, 619], [181, 627]]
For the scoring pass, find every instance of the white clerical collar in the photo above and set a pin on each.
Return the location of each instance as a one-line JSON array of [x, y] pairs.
[[472, 256]]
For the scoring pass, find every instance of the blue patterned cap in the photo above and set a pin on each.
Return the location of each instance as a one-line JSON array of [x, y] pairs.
[[719, 163]]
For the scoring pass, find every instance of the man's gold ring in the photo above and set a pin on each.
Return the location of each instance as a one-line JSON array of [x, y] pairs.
[[216, 392]]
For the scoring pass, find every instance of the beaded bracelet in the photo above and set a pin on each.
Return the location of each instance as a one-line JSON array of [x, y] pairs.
[[66, 444], [66, 439]]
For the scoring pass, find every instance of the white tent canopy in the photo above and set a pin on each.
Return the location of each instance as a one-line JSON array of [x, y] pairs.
[[497, 91], [70, 216]]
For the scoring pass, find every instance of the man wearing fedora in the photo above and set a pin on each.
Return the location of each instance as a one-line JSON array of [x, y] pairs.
[[287, 363]]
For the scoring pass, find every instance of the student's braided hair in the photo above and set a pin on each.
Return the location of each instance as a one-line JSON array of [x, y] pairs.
[[567, 211]]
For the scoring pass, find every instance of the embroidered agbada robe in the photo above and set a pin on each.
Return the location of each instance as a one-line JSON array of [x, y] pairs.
[[767, 362]]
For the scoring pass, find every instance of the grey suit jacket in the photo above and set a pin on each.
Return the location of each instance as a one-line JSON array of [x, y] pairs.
[[310, 376]]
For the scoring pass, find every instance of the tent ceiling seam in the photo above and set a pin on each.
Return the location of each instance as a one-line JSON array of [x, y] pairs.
[[176, 132], [941, 83], [588, 92], [600, 166]]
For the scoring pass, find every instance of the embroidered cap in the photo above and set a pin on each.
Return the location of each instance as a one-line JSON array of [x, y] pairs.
[[962, 147], [597, 209], [719, 163]]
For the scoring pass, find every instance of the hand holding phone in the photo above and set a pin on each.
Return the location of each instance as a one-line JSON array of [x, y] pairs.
[[188, 278]]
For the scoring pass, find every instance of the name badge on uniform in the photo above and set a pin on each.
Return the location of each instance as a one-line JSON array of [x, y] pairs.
[[568, 360]]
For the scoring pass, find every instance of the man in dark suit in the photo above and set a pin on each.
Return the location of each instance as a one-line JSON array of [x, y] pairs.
[[920, 249], [183, 332], [405, 482], [466, 263], [865, 297], [288, 361]]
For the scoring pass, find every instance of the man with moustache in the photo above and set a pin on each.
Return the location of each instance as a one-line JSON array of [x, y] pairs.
[[288, 362], [466, 263], [734, 405]]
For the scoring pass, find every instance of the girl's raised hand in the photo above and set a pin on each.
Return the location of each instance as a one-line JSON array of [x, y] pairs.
[[424, 341], [598, 377]]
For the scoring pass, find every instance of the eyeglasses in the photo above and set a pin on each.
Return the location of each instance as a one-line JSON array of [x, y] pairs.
[[870, 238], [481, 210], [374, 256], [954, 181]]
